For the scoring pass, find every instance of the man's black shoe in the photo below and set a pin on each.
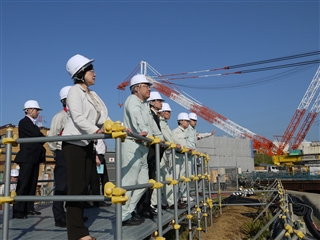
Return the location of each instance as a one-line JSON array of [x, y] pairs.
[[180, 205], [33, 213], [88, 205], [19, 216], [131, 222], [104, 204], [148, 214], [152, 211], [136, 216], [164, 207], [61, 223]]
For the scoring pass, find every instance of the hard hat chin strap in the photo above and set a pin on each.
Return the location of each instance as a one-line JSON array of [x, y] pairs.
[[82, 80], [153, 105]]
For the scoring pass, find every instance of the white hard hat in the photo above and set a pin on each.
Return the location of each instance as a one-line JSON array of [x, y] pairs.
[[76, 63], [139, 78], [183, 116], [193, 116], [14, 173], [64, 92], [165, 107], [155, 96], [31, 104]]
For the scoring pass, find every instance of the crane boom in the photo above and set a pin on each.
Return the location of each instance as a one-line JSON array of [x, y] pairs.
[[260, 143], [299, 113], [307, 123]]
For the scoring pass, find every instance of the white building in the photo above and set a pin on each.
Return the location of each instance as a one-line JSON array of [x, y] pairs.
[[227, 152]]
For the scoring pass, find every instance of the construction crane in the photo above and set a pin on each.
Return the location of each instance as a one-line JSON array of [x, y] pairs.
[[307, 124], [299, 113], [168, 89]]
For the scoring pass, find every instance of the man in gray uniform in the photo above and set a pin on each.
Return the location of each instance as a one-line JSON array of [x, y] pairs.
[[191, 143], [60, 170], [137, 117], [166, 162], [181, 137]]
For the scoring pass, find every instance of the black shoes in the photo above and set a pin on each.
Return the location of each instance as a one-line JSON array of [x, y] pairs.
[[88, 205], [131, 222], [164, 207], [148, 214], [61, 223], [137, 217], [180, 205], [101, 204], [104, 204], [19, 216], [33, 213]]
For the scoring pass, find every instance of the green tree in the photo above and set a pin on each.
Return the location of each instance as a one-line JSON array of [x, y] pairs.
[[261, 158]]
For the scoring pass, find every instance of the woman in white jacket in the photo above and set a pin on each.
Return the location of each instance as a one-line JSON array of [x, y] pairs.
[[86, 115]]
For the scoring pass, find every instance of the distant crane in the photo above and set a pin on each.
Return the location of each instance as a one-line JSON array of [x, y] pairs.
[[299, 113], [307, 123], [260, 143]]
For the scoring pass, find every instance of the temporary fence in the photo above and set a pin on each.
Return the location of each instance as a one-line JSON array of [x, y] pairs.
[[116, 194]]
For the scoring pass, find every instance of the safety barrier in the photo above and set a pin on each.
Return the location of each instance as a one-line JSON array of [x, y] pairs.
[[116, 194]]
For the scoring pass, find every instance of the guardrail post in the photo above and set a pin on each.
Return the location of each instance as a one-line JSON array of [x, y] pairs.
[[5, 224], [159, 202], [197, 199], [219, 193], [209, 189], [203, 162], [119, 184], [187, 179], [176, 225]]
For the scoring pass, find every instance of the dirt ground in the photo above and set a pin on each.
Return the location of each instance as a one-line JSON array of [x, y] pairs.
[[228, 225]]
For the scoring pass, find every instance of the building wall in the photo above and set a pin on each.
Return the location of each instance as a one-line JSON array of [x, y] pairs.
[[228, 152]]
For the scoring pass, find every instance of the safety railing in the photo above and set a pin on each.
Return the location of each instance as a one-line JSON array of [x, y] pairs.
[[291, 228], [116, 194]]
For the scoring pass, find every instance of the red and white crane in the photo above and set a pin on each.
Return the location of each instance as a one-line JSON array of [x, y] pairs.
[[307, 123], [298, 115], [166, 88]]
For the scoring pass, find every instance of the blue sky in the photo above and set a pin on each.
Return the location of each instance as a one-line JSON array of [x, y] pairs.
[[38, 37]]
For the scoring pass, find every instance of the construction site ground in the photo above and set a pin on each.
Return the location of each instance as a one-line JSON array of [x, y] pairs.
[[230, 224]]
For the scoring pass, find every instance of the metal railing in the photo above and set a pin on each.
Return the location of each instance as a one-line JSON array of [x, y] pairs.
[[116, 193]]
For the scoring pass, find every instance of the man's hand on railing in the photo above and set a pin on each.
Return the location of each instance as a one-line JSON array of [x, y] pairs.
[[143, 134]]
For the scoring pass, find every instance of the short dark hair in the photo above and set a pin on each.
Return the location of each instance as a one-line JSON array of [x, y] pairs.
[[80, 75]]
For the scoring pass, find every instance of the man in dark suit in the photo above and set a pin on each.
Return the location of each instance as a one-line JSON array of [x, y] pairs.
[[29, 157]]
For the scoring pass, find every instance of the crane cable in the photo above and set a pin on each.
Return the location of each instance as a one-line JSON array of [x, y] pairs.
[[297, 64], [307, 54], [249, 83]]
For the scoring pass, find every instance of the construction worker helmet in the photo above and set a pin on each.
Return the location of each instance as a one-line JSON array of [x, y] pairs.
[[183, 116], [193, 116], [64, 92], [77, 63], [155, 96], [31, 104], [165, 107], [139, 78]]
